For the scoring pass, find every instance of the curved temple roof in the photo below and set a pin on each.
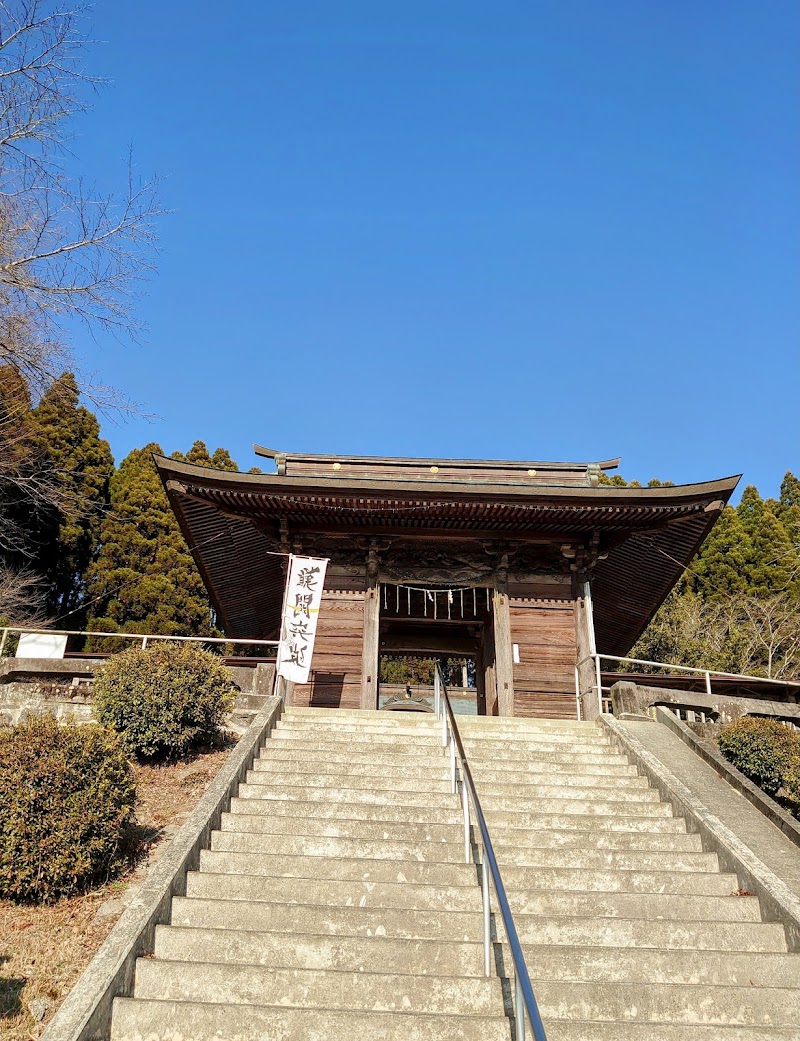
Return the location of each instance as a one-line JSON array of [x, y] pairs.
[[644, 537]]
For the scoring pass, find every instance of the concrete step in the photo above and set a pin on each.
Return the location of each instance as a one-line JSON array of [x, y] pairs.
[[654, 1003], [565, 1030], [438, 781], [344, 829], [135, 1020], [276, 760], [341, 752], [638, 966], [482, 747], [411, 726], [385, 718], [566, 879], [581, 739], [521, 724], [345, 869], [519, 817], [337, 894], [629, 859], [266, 824], [345, 953], [320, 846], [461, 926], [545, 845], [257, 787], [514, 827], [232, 985], [620, 832], [450, 814], [453, 853], [488, 777], [426, 957], [668, 907], [400, 923]]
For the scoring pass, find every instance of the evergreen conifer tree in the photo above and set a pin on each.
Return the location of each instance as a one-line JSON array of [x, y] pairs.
[[773, 561], [720, 570], [66, 441], [145, 579]]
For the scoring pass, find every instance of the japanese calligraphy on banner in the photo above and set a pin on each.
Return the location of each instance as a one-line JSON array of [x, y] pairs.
[[301, 604]]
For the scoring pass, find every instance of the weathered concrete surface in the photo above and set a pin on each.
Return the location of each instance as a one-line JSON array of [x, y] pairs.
[[633, 700], [86, 1012], [62, 687], [727, 822], [788, 824], [198, 1021]]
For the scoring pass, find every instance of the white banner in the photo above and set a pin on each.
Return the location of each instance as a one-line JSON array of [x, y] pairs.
[[301, 603]]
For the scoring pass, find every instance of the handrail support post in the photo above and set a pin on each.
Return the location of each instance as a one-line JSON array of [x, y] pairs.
[[519, 1010], [599, 681], [487, 945], [465, 807]]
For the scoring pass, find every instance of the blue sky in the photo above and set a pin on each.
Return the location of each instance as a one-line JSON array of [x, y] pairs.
[[534, 230]]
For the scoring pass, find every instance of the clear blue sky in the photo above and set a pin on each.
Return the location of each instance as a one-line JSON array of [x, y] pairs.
[[535, 230]]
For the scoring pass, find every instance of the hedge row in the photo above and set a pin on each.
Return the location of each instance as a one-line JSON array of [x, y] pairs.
[[768, 752], [67, 793]]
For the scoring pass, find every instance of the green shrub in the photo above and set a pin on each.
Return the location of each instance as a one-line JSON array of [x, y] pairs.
[[766, 751], [163, 699], [66, 797]]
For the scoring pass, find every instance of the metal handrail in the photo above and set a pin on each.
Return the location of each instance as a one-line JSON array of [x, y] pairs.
[[144, 637], [524, 999], [707, 673]]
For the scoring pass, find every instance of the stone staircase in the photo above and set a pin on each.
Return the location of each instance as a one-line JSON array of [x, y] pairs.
[[334, 900]]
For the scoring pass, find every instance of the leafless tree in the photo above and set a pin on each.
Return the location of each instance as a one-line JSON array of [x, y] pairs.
[[21, 598], [67, 251], [770, 628]]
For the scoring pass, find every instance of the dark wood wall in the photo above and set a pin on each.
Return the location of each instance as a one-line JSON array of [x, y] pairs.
[[543, 626], [335, 680]]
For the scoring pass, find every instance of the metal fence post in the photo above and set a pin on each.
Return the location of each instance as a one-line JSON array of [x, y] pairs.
[[577, 692], [519, 1009], [487, 963], [599, 681], [3, 642], [708, 683], [465, 807]]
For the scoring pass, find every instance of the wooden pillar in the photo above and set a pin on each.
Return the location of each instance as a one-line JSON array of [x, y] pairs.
[[370, 648], [489, 690], [504, 664]]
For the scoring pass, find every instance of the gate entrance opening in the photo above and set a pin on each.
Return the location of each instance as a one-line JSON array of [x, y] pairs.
[[420, 625]]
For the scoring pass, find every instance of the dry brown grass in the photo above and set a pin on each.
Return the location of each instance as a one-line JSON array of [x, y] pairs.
[[44, 949]]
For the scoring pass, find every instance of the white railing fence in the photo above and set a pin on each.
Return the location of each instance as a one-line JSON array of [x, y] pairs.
[[603, 703], [142, 638]]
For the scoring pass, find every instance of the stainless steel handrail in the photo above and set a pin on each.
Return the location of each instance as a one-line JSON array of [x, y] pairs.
[[524, 1000]]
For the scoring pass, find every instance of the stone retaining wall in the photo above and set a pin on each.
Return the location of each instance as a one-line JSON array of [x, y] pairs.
[[63, 688]]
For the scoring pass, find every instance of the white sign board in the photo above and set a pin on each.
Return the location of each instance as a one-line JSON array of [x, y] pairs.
[[41, 645], [301, 603]]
